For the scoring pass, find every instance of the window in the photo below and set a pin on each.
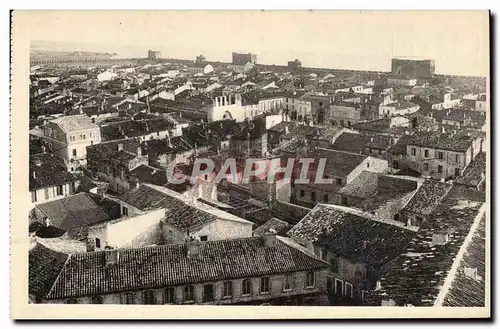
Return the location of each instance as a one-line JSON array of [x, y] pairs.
[[426, 167], [343, 200], [302, 193], [426, 153], [124, 211], [457, 158], [73, 186], [148, 297], [97, 243], [33, 196], [324, 255], [246, 287], [72, 138], [208, 293], [325, 198], [348, 123], [440, 169], [204, 238], [338, 181], [440, 155], [395, 164], [334, 264], [71, 301], [288, 282], [420, 220], [227, 289], [313, 196], [348, 290], [329, 283], [338, 287], [368, 163], [128, 298], [59, 190], [96, 300], [46, 193], [188, 294], [457, 172], [74, 152], [169, 296], [264, 285], [413, 151], [157, 133], [396, 217], [309, 279]]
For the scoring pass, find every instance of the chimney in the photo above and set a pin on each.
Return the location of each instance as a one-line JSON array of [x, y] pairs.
[[270, 238], [139, 151], [168, 140], [120, 147], [111, 256], [193, 247]]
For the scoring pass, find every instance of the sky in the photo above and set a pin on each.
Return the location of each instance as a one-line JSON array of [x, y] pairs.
[[458, 41]]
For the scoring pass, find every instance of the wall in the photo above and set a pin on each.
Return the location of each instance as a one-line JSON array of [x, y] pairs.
[[448, 162], [52, 193], [136, 231], [343, 115], [225, 229], [79, 140], [230, 104], [275, 285], [375, 165]]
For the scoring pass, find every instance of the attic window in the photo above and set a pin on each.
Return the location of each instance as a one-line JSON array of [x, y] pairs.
[[472, 273], [439, 239]]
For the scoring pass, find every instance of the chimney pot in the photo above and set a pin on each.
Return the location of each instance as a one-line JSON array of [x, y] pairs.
[[270, 238], [120, 147], [111, 256], [193, 247]]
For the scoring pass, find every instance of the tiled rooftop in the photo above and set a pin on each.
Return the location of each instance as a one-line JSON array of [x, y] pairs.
[[48, 170], [54, 275], [428, 196], [438, 140], [352, 234], [73, 214], [74, 123], [475, 172], [417, 276], [181, 212], [465, 290]]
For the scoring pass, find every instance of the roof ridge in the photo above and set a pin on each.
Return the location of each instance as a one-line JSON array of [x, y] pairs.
[[58, 275]]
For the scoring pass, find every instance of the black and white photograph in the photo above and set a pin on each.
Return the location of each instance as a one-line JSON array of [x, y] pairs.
[[176, 159]]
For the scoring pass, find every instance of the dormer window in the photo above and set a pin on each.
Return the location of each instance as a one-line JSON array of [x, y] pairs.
[[440, 239], [471, 272]]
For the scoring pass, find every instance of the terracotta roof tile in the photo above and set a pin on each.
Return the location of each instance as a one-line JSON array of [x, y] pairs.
[[160, 266]]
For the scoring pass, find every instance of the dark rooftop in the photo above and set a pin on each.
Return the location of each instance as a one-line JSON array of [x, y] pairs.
[[52, 274], [352, 234]]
